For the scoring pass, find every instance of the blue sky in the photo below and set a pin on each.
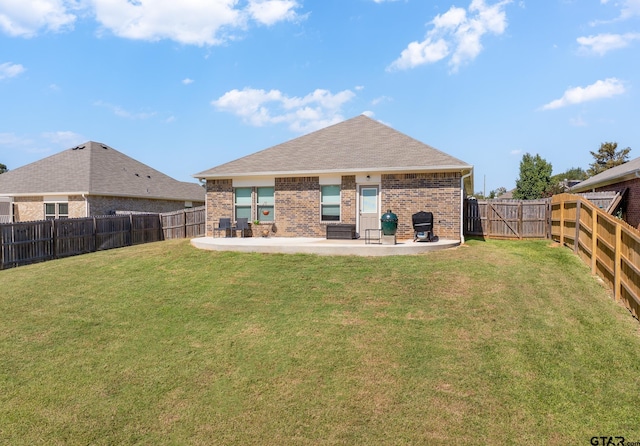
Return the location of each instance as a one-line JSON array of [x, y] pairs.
[[186, 85]]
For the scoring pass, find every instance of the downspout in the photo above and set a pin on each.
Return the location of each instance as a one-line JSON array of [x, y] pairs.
[[464, 177], [86, 205]]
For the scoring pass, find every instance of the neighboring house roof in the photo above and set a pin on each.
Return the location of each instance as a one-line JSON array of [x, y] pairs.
[[618, 174], [94, 168], [356, 145], [508, 195]]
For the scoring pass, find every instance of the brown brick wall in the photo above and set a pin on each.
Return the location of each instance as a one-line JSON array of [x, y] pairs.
[[28, 208], [297, 203], [219, 202], [632, 201], [297, 206], [102, 205], [406, 194], [77, 206], [32, 208]]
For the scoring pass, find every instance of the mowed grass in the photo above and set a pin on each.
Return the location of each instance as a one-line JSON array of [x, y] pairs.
[[491, 343]]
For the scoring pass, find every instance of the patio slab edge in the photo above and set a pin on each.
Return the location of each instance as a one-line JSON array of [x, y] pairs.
[[319, 246]]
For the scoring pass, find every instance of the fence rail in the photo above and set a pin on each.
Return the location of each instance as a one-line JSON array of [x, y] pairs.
[[507, 218], [608, 245], [31, 242]]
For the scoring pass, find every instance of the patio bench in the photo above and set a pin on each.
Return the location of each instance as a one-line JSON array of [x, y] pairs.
[[341, 231]]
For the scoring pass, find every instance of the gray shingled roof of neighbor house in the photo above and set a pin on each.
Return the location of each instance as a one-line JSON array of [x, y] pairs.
[[96, 169], [356, 145], [610, 176]]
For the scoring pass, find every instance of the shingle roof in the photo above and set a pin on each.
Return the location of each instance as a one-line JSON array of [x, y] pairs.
[[96, 169], [355, 145], [609, 176]]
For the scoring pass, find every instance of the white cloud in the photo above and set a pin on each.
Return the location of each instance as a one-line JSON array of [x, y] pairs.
[[628, 10], [599, 90], [302, 114], [268, 12], [515, 152], [368, 113], [381, 99], [123, 113], [23, 144], [187, 81], [456, 34], [13, 140], [8, 70], [25, 18], [64, 138], [191, 22], [603, 43], [196, 22]]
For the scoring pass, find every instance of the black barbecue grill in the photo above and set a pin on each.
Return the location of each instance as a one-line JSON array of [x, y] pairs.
[[422, 226]]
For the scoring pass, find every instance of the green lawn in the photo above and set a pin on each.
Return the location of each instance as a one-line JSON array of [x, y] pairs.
[[491, 343]]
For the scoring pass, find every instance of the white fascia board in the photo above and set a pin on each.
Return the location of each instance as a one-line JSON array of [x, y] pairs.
[[364, 171], [47, 194]]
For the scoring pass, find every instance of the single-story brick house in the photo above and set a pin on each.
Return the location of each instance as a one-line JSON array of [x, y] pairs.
[[92, 179], [624, 179], [348, 173]]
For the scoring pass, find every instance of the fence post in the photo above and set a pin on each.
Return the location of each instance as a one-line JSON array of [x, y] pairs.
[[562, 221], [550, 218], [520, 223], [184, 212], [576, 241], [618, 263], [130, 229], [594, 240], [1, 248], [95, 234], [54, 237]]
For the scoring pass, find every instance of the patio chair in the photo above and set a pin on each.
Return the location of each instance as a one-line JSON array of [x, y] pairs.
[[242, 225], [223, 225]]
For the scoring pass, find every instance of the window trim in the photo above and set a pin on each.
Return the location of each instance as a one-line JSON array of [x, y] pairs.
[[242, 205], [270, 204], [323, 203], [56, 210]]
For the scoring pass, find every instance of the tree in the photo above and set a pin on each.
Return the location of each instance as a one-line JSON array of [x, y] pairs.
[[560, 181], [535, 178], [575, 173], [499, 191], [3, 168], [607, 157]]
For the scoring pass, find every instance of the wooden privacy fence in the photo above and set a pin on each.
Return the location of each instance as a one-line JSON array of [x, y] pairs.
[[608, 245], [507, 218], [30, 242], [186, 223]]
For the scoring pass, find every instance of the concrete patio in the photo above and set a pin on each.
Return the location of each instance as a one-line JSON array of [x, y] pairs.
[[319, 246]]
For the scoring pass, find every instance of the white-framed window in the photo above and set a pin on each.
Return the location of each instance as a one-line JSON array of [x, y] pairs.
[[330, 203], [53, 210], [265, 203], [242, 202]]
